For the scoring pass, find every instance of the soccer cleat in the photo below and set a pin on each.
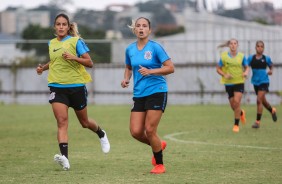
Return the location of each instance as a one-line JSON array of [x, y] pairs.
[[158, 169], [105, 144], [153, 158], [63, 161], [236, 128], [243, 117], [256, 124], [273, 113]]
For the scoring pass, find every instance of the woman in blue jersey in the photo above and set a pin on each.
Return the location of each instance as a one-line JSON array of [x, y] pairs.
[[66, 79], [233, 68], [259, 64], [149, 63]]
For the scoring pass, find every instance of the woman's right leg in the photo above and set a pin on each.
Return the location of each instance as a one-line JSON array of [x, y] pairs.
[[137, 127], [61, 114]]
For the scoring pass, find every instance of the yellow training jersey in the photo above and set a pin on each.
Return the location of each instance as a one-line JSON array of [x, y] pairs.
[[233, 66], [63, 71]]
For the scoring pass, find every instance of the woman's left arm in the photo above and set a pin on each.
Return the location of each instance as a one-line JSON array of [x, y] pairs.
[[167, 68], [85, 59]]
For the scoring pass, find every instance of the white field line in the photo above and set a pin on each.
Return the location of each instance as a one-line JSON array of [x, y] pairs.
[[173, 136]]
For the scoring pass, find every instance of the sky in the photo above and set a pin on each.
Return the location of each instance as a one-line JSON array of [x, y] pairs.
[[101, 4]]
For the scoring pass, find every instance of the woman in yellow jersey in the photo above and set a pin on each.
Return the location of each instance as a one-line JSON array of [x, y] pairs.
[[233, 68], [66, 79]]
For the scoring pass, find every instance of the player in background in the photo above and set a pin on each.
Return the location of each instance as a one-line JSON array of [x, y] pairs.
[[233, 68], [66, 79], [149, 63], [259, 64]]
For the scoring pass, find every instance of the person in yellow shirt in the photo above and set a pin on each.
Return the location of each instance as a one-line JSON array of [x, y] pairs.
[[233, 68], [66, 79]]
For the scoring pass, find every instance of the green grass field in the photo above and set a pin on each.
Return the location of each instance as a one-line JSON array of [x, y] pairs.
[[201, 147]]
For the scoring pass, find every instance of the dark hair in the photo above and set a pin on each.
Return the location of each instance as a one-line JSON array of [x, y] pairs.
[[73, 31], [260, 41], [133, 23], [149, 22]]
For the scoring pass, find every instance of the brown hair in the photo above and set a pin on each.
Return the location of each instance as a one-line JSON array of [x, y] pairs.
[[226, 43], [73, 31]]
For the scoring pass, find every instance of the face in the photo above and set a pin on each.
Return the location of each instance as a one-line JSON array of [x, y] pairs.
[[233, 45], [61, 27], [142, 28], [259, 48]]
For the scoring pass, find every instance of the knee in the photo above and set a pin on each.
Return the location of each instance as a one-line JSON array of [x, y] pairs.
[[136, 134], [84, 124], [62, 121], [259, 101], [150, 132]]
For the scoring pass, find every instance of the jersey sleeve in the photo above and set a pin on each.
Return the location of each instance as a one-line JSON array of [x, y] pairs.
[[245, 61], [127, 58], [249, 60], [161, 53], [268, 61], [220, 63], [81, 48]]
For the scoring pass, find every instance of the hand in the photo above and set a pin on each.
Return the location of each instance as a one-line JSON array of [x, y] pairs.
[[269, 72], [143, 71], [68, 56], [245, 75], [39, 69], [227, 76], [124, 83]]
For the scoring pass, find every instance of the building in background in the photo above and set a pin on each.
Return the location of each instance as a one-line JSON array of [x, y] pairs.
[[14, 20]]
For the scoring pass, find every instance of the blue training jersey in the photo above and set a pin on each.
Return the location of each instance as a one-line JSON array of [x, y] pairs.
[[259, 69], [151, 56]]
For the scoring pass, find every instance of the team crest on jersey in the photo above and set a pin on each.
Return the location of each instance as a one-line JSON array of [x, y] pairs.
[[148, 55], [262, 60]]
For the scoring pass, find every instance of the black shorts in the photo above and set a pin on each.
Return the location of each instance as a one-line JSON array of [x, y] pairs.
[[156, 101], [261, 87], [234, 88], [75, 97]]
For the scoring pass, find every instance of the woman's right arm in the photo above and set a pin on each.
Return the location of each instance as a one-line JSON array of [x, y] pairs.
[[40, 68], [127, 76]]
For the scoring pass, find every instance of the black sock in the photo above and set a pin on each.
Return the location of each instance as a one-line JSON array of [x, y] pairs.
[[258, 117], [100, 133], [159, 157], [64, 149], [269, 108], [236, 122]]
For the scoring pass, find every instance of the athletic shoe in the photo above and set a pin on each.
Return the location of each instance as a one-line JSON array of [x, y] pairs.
[[273, 113], [153, 158], [256, 124], [105, 144], [158, 169], [63, 161], [236, 128], [243, 117]]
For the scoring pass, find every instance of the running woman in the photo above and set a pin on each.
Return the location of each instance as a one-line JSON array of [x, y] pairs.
[[259, 64], [149, 63], [233, 68], [66, 79]]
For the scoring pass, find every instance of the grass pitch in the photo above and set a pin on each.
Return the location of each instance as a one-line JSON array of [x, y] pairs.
[[201, 147]]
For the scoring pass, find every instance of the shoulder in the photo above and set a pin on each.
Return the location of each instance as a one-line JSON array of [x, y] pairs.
[[241, 54], [225, 53], [131, 46], [155, 44], [251, 56]]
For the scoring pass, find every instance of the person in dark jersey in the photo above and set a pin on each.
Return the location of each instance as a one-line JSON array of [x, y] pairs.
[[233, 68], [149, 63], [66, 79], [260, 64]]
